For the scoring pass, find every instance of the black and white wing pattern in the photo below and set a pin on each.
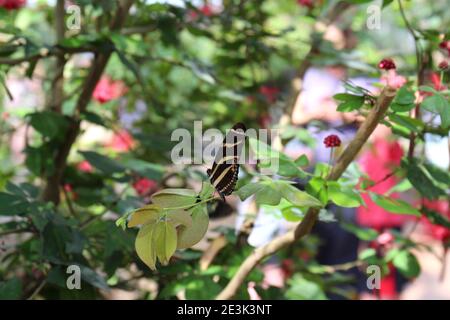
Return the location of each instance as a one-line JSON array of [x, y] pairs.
[[225, 169]]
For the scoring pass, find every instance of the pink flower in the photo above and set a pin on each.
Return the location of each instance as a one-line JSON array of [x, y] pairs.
[[269, 92], [144, 186], [12, 4], [121, 141], [108, 89], [85, 166], [385, 238], [392, 79]]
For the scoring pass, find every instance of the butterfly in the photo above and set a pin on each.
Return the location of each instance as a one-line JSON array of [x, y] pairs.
[[225, 169]]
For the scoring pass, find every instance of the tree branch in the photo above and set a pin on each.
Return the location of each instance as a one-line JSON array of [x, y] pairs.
[[375, 115], [51, 191]]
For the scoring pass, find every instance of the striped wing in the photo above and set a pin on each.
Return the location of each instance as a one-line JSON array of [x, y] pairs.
[[224, 172]]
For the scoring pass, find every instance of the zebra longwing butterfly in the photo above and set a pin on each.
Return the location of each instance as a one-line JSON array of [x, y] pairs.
[[225, 169]]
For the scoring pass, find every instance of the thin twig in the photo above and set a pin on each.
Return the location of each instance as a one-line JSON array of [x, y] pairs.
[[38, 289], [19, 230]]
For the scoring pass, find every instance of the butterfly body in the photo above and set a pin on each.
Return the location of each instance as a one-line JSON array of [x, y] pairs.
[[225, 169]]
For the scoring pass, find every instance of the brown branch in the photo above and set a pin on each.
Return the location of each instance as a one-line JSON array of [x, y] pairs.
[[305, 226], [51, 191]]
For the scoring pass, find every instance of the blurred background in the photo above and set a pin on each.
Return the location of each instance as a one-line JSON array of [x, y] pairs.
[[90, 96]]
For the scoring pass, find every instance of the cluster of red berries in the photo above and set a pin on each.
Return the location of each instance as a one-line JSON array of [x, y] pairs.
[[445, 45], [443, 65], [332, 141], [386, 64]]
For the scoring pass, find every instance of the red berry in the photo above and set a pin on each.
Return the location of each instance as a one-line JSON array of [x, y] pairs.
[[443, 65], [386, 64], [445, 45], [332, 141]]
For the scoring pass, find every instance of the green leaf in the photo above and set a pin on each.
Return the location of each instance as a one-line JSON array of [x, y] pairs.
[[249, 189], [404, 96], [268, 195], [103, 163], [302, 161], [297, 197], [349, 102], [48, 123], [366, 234], [317, 188], [438, 104], [394, 205], [301, 288], [344, 197], [435, 103], [10, 289], [93, 118], [93, 278], [369, 255], [411, 124], [423, 181], [436, 217], [144, 245], [407, 264], [207, 190], [11, 204], [146, 169]]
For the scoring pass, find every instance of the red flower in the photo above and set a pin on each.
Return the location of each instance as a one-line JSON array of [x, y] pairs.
[[306, 3], [270, 93], [206, 10], [443, 65], [121, 141], [332, 141], [12, 4], [85, 166], [144, 186], [386, 64], [108, 89]]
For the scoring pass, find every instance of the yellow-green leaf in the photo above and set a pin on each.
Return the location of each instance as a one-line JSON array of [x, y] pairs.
[[144, 245], [144, 215], [165, 240], [188, 236], [178, 217], [168, 198]]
